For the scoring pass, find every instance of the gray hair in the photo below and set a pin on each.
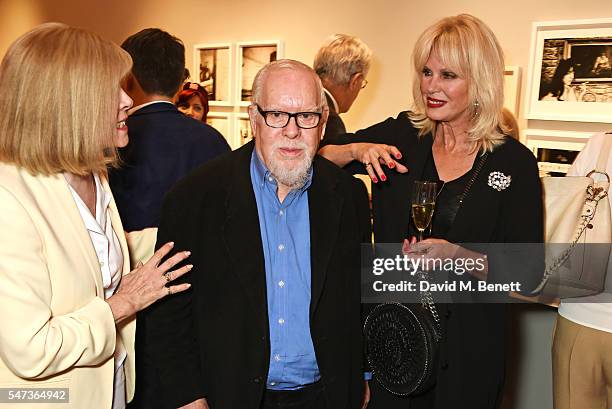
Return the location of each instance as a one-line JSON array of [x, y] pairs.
[[261, 76], [341, 57]]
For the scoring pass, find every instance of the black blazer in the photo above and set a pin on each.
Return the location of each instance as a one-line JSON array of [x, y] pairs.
[[472, 354], [335, 125], [165, 145], [213, 340]]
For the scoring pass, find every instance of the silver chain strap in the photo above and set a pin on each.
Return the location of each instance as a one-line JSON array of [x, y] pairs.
[[594, 195], [428, 303], [426, 298]]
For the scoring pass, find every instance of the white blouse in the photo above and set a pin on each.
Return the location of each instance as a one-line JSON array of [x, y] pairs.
[[110, 257]]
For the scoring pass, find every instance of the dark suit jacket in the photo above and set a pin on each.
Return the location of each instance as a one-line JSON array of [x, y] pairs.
[[165, 145], [213, 340], [472, 353], [334, 125]]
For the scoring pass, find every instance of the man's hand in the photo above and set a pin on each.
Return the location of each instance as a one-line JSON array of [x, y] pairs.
[[196, 404]]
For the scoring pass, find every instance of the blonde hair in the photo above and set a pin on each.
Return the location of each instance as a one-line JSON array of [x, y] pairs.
[[60, 94], [341, 57], [467, 46]]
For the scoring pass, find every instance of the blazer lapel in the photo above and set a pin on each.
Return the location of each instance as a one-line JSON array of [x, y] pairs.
[[241, 232], [65, 213], [117, 226], [422, 155], [325, 206]]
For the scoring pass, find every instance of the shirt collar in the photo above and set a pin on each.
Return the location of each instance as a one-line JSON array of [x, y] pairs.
[[97, 223], [137, 107], [263, 176], [333, 100]]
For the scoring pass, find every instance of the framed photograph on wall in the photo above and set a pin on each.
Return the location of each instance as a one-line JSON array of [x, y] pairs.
[[251, 57], [512, 82], [570, 71], [212, 69], [221, 121], [555, 150], [242, 129]]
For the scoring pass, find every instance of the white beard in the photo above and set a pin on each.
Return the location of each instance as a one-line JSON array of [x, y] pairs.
[[296, 176]]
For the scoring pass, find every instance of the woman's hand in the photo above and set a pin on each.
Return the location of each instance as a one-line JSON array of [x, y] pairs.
[[439, 249], [430, 248], [373, 155], [147, 283]]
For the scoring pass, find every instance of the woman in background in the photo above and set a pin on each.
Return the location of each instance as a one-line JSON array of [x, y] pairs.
[[490, 193], [560, 87], [582, 344], [193, 101], [67, 296]]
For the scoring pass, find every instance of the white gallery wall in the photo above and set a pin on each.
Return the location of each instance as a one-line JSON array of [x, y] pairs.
[[389, 27]]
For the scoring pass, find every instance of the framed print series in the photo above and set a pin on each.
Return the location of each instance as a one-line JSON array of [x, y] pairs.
[[570, 71], [235, 127], [226, 71]]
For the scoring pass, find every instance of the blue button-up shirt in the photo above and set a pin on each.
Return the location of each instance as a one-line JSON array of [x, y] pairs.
[[285, 234]]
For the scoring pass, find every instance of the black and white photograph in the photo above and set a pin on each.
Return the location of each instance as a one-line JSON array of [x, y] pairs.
[[570, 74], [576, 70], [252, 57], [213, 65]]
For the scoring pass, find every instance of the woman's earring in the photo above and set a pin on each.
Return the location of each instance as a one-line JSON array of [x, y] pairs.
[[476, 105]]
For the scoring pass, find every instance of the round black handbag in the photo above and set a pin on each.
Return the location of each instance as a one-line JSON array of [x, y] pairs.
[[402, 347]]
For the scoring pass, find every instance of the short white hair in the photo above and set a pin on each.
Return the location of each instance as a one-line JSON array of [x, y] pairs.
[[341, 57], [258, 82]]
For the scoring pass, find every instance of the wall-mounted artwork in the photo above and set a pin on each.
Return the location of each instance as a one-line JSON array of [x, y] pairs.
[[512, 82], [212, 69], [555, 150], [221, 121], [242, 129], [252, 56], [570, 75]]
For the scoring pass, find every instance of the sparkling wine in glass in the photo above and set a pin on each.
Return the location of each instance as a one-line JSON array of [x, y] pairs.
[[423, 204]]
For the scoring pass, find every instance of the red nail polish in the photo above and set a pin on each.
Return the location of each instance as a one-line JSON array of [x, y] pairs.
[[375, 180], [383, 178], [399, 155], [391, 164]]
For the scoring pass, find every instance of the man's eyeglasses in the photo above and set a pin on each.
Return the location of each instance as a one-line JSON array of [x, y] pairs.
[[280, 119]]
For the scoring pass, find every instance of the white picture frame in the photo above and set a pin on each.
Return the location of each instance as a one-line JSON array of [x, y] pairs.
[[566, 79], [222, 122], [512, 87], [212, 69], [242, 129], [537, 139], [251, 56]]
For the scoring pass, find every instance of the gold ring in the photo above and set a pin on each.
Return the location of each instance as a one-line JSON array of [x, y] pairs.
[[366, 164], [167, 277], [169, 290]]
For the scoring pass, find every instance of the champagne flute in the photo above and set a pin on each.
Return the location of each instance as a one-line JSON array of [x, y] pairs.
[[423, 204]]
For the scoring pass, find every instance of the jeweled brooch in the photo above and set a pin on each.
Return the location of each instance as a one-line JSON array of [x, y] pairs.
[[499, 181]]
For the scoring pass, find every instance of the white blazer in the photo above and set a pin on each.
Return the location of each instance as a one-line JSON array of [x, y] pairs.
[[56, 330]]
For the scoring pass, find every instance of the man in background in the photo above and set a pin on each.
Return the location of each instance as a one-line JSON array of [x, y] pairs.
[[342, 63], [164, 146]]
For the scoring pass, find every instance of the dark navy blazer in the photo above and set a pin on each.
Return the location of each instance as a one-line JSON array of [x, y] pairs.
[[164, 146]]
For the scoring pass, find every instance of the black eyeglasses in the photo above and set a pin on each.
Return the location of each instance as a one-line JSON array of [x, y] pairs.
[[280, 119]]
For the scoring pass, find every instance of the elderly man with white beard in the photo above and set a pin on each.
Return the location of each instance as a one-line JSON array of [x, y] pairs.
[[273, 317]]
